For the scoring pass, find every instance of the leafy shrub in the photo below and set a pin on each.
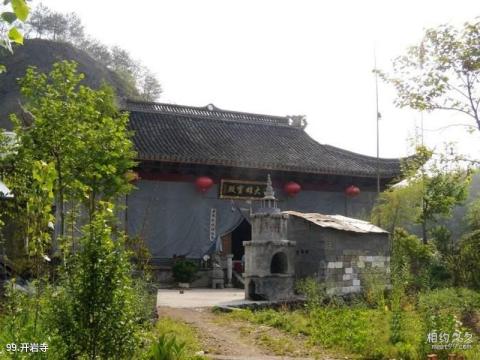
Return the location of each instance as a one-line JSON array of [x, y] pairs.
[[440, 323], [450, 300], [473, 214], [141, 254], [358, 330], [170, 337], [373, 288], [410, 252], [396, 327], [440, 274], [469, 260], [144, 300], [442, 238], [400, 273], [314, 293], [24, 316], [406, 351], [184, 271], [93, 309], [443, 310], [167, 348]]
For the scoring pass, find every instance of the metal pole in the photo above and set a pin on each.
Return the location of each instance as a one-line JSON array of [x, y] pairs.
[[378, 120]]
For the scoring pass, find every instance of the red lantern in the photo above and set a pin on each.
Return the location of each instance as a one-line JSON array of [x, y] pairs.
[[292, 188], [352, 191], [203, 183]]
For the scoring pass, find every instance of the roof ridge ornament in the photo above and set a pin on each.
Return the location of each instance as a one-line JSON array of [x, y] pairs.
[[209, 111], [299, 121]]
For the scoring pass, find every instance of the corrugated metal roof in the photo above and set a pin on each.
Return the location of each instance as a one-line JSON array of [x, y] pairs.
[[339, 222]]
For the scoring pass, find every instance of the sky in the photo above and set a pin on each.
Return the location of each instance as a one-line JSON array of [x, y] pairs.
[[297, 57]]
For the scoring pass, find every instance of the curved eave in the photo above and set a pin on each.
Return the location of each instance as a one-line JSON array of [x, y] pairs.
[[263, 166]]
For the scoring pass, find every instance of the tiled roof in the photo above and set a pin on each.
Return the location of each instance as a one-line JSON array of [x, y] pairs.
[[208, 135]]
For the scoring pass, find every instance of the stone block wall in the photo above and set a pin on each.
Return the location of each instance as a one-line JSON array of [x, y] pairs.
[[339, 259], [346, 273]]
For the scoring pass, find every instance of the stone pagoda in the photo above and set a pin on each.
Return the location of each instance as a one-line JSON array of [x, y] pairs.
[[269, 256]]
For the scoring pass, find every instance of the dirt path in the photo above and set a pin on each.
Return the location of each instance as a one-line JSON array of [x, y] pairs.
[[240, 340]]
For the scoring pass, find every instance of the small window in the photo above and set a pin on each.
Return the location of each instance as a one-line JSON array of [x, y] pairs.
[[279, 264]]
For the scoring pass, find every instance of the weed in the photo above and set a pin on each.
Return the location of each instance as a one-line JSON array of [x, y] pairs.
[[181, 331], [167, 348]]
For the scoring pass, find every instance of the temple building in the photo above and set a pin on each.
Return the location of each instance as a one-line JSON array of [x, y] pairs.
[[201, 170]]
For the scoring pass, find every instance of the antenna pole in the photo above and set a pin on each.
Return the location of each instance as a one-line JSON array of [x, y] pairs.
[[378, 120], [421, 126]]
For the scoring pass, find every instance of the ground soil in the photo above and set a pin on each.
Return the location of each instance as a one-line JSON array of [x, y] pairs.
[[223, 338]]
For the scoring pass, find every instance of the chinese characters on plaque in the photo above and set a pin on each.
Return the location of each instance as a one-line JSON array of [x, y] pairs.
[[245, 190]]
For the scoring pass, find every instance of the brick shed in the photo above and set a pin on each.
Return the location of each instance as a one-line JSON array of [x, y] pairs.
[[338, 251]]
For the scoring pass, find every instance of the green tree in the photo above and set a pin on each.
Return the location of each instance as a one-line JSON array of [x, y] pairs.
[[80, 131], [97, 50], [398, 206], [433, 186], [12, 14], [138, 81], [473, 215], [38, 216], [411, 261], [38, 209], [441, 73], [85, 141], [32, 215], [94, 310], [444, 185], [49, 24], [149, 87], [468, 260]]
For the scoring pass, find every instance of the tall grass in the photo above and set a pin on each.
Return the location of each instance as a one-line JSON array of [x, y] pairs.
[[364, 330]]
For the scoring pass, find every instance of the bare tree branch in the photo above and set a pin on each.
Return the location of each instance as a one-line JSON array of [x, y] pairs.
[[449, 126], [469, 88], [439, 107]]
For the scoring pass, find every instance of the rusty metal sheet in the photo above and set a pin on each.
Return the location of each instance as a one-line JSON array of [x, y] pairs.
[[339, 222]]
